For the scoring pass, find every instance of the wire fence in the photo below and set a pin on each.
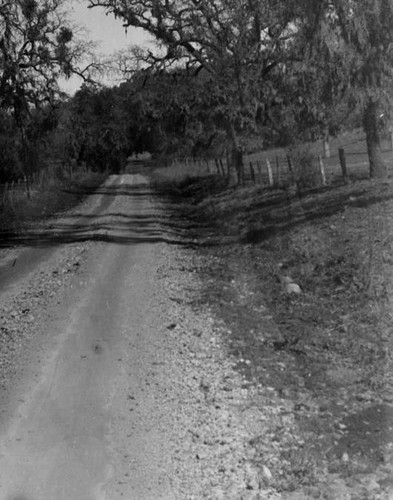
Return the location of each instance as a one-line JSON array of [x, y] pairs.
[[31, 185], [271, 169], [305, 167]]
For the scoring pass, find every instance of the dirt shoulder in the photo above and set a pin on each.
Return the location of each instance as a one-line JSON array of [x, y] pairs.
[[317, 364]]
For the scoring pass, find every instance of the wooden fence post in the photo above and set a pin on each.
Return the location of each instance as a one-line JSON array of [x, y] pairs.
[[343, 164], [27, 185], [290, 168], [222, 166], [322, 170], [326, 145], [270, 173], [252, 173], [217, 166]]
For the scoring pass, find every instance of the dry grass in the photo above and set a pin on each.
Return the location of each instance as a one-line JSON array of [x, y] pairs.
[[17, 209], [178, 173]]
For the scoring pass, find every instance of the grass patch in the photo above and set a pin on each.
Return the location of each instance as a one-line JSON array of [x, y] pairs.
[[178, 175], [17, 210]]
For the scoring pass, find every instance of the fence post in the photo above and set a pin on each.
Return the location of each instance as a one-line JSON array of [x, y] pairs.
[[27, 184], [278, 170], [252, 173], [270, 173], [290, 167], [322, 170], [217, 166], [326, 145], [343, 164], [222, 166]]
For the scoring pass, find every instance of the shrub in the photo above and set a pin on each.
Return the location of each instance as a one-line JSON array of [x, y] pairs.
[[305, 167]]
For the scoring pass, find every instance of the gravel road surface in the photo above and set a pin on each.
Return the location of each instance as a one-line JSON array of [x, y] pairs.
[[113, 383]]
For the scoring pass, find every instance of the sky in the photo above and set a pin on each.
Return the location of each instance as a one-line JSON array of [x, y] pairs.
[[107, 31]]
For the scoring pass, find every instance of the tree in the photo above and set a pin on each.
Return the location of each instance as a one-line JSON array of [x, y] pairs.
[[10, 165], [357, 37], [93, 128], [37, 46], [236, 43], [164, 109]]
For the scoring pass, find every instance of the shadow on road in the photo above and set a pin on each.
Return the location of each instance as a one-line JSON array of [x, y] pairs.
[[146, 222]]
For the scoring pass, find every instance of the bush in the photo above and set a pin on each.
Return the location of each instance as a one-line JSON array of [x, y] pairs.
[[305, 167]]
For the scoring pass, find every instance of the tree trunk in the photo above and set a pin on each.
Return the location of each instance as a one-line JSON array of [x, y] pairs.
[[378, 167], [237, 162], [237, 155]]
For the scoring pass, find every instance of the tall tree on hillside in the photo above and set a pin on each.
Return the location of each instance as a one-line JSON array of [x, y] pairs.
[[236, 43]]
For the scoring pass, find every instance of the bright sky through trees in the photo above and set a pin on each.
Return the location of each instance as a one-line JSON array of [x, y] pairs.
[[104, 30]]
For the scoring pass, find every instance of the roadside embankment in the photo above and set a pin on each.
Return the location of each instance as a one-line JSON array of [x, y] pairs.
[[20, 207], [326, 353]]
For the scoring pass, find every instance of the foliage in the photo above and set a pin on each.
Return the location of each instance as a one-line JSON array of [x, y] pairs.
[[37, 46], [46, 198], [23, 149], [348, 55], [10, 165], [93, 128], [306, 173], [234, 45]]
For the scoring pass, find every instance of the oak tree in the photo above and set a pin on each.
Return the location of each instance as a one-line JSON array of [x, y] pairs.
[[37, 47], [237, 44]]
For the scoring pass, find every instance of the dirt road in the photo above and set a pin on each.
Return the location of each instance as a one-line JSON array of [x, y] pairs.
[[110, 387]]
